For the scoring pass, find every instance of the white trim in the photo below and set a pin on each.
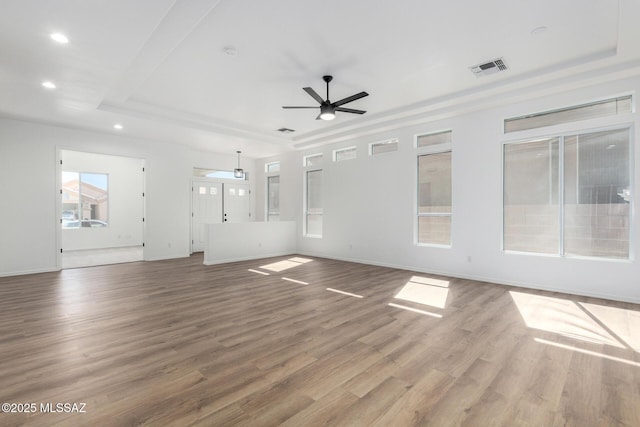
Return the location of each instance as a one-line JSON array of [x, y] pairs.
[[417, 214], [162, 258], [266, 167], [337, 151], [489, 279], [25, 272], [305, 201], [305, 158], [438, 132], [266, 193], [615, 125], [390, 141], [599, 101]]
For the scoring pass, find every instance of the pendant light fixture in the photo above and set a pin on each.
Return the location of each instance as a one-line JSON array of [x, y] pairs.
[[238, 172]]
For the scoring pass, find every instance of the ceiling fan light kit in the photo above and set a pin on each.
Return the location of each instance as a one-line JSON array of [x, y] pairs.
[[327, 113], [327, 108]]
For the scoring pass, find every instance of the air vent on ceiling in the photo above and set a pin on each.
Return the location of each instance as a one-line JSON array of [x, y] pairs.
[[286, 130], [490, 67]]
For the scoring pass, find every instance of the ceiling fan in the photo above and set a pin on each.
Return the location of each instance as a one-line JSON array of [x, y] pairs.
[[327, 108]]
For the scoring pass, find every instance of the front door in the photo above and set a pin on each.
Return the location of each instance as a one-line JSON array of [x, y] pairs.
[[207, 209], [237, 205]]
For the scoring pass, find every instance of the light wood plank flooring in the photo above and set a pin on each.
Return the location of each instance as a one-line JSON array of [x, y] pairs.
[[261, 343]]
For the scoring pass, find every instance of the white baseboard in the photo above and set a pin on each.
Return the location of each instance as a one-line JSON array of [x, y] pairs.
[[24, 272], [493, 280], [163, 258]]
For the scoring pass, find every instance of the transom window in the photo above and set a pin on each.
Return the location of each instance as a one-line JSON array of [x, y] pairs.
[[381, 147], [344, 154], [312, 160], [272, 167], [607, 107]]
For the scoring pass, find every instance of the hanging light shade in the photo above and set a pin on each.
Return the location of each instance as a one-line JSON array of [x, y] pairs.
[[238, 172]]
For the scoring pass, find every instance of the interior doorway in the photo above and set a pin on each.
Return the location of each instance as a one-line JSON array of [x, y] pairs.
[[101, 210]]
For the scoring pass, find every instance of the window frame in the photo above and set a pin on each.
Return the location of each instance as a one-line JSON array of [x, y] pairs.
[[305, 160], [392, 141], [446, 147], [417, 137], [558, 113], [612, 123], [268, 195], [267, 176], [79, 204], [267, 167], [306, 204], [337, 152]]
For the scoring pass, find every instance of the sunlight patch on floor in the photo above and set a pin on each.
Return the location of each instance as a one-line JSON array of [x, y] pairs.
[[563, 317], [588, 352], [415, 310], [259, 272], [295, 281], [285, 264], [300, 260], [623, 323], [344, 293], [425, 290]]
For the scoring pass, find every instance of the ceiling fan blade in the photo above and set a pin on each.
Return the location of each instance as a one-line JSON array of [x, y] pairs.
[[350, 99], [296, 107], [318, 118], [313, 94], [350, 110]]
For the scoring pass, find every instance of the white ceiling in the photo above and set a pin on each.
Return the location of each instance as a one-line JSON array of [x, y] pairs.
[[159, 66]]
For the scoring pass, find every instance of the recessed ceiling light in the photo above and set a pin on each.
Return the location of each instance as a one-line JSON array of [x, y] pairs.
[[60, 38], [49, 85], [117, 126], [539, 30]]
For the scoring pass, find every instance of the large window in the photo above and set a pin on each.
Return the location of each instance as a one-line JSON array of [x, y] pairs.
[[569, 195], [434, 198], [313, 205], [273, 191], [85, 200], [273, 198], [434, 188]]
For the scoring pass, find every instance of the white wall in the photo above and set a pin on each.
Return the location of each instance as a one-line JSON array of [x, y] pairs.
[[125, 201], [369, 204], [229, 242], [30, 238]]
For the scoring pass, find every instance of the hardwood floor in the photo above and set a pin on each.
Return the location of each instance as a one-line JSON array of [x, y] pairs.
[[262, 343]]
